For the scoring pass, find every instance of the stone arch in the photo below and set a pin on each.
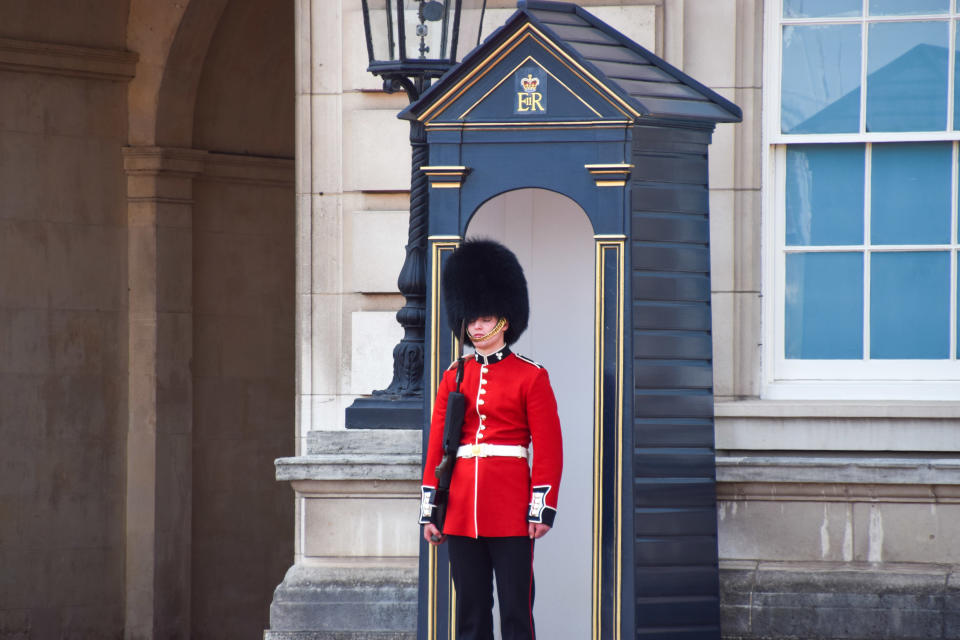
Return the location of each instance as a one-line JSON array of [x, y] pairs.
[[172, 41]]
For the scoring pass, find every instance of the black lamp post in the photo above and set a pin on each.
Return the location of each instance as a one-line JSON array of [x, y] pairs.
[[411, 43]]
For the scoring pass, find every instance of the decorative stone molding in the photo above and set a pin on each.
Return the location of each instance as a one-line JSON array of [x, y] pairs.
[[115, 65], [226, 167], [844, 469]]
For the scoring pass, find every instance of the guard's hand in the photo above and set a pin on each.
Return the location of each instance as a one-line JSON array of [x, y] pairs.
[[535, 530], [432, 535]]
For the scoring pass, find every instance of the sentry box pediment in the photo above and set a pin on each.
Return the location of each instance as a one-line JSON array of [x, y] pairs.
[[557, 100]]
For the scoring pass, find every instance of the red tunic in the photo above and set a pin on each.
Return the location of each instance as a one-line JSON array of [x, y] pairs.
[[509, 402]]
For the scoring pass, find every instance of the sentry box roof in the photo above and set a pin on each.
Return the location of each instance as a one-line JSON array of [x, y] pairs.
[[581, 70]]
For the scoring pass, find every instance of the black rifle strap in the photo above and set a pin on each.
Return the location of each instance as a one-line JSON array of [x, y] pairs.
[[463, 331]]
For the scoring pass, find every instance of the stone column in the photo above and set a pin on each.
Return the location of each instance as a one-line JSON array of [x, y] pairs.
[[160, 403]]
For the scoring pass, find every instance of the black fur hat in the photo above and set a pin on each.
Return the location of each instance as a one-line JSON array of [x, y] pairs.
[[483, 278]]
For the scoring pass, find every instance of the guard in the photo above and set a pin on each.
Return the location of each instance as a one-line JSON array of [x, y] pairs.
[[506, 477]]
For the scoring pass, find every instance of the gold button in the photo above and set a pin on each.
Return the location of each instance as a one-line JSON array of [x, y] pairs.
[[480, 401]]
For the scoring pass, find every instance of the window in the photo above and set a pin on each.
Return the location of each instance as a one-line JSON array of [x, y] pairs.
[[862, 197]]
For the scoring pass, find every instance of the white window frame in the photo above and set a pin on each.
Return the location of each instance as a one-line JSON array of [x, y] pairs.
[[807, 379]]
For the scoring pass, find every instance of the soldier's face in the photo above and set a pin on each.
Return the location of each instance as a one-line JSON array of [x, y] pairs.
[[483, 335]]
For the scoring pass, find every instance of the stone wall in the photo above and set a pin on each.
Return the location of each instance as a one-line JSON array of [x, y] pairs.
[[63, 299], [243, 310]]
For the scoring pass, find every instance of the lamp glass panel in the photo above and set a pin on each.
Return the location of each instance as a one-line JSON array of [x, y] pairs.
[[383, 29], [426, 38]]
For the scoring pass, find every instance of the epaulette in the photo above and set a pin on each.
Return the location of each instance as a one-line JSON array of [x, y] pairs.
[[454, 364], [529, 361]]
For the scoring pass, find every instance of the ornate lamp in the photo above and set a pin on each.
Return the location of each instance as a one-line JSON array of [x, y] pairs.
[[410, 43]]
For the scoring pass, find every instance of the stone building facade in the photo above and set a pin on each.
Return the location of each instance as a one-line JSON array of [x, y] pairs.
[[203, 209]]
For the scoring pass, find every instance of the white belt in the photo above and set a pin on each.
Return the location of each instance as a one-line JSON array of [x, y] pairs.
[[486, 450]]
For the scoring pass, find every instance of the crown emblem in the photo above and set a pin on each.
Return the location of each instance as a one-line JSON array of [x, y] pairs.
[[530, 83]]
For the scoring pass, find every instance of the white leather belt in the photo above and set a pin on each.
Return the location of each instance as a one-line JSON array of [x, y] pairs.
[[487, 450]]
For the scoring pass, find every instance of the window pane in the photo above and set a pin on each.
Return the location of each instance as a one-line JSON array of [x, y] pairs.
[[910, 193], [907, 76], [820, 79], [825, 194], [821, 8], [909, 305], [824, 305], [912, 8]]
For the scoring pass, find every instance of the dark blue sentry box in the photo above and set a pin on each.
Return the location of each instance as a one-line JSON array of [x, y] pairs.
[[556, 99]]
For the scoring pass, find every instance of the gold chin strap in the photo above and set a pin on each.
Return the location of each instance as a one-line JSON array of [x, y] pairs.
[[496, 329]]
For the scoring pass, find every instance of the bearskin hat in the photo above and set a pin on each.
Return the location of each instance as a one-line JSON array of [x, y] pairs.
[[483, 278]]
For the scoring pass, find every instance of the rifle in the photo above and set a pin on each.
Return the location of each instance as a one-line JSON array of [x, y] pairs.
[[452, 428]]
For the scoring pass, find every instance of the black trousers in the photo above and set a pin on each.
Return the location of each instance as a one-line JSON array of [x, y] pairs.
[[473, 564]]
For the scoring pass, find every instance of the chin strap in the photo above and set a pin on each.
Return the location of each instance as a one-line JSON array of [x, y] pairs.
[[497, 329]]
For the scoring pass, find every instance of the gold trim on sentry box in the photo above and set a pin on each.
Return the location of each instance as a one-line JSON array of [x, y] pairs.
[[610, 174], [605, 244], [445, 176], [524, 32], [438, 245]]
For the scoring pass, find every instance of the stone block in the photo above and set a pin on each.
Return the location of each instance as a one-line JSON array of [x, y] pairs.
[[721, 156], [87, 266], [23, 160], [326, 45], [710, 42], [365, 442], [24, 272], [326, 238], [82, 180], [376, 151], [892, 532], [747, 344], [722, 247], [23, 407], [346, 600], [749, 55], [378, 240], [724, 326], [808, 531], [369, 526], [748, 167], [637, 22], [25, 341], [354, 54], [326, 345], [76, 408], [375, 333], [327, 134], [80, 340], [854, 601], [748, 263]]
